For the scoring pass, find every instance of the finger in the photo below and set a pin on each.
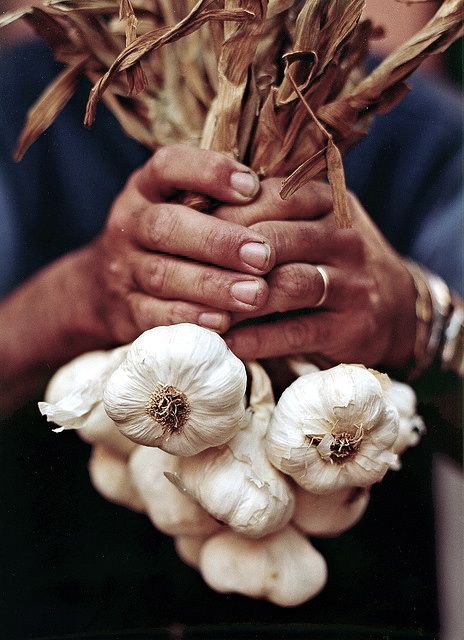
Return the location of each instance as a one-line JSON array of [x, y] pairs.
[[308, 333], [301, 286], [187, 168], [178, 230], [148, 312], [310, 202], [315, 241], [167, 277]]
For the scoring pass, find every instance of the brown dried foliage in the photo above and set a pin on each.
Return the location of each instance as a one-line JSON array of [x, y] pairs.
[[275, 83]]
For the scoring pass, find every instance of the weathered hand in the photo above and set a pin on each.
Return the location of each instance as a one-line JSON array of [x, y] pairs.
[[163, 263], [368, 315]]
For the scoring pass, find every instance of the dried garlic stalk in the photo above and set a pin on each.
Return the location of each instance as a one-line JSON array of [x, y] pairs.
[[276, 84]]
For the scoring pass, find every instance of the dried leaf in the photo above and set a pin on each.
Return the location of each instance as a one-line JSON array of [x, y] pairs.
[[49, 105], [152, 41]]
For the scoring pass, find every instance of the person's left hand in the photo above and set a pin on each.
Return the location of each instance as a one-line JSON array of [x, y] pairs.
[[368, 315]]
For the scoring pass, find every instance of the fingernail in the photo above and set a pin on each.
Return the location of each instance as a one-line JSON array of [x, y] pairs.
[[213, 321], [255, 254], [245, 183], [246, 291]]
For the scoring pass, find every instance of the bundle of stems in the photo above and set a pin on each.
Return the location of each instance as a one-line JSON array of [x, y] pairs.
[[277, 84]]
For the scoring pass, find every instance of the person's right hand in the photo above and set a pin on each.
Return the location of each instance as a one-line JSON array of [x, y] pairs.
[[158, 262]]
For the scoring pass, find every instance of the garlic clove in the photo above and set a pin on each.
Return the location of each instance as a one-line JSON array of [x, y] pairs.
[[110, 476], [77, 387], [97, 427], [188, 549], [171, 511], [235, 483], [180, 389], [283, 567], [331, 514], [333, 429], [411, 425], [300, 365]]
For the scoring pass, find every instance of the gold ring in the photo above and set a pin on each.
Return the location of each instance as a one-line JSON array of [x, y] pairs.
[[325, 280]]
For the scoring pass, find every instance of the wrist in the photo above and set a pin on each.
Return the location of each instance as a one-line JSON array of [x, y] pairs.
[[439, 324]]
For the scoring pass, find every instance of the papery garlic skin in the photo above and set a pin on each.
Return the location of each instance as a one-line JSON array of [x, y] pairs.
[[98, 428], [235, 483], [188, 548], [171, 511], [283, 567], [110, 476], [333, 429], [411, 425], [77, 387], [329, 515], [180, 389]]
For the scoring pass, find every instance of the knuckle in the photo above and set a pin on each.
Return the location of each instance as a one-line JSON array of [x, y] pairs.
[[163, 226], [216, 169], [217, 239], [291, 283], [157, 274], [295, 335], [161, 160], [178, 312], [140, 311], [208, 284], [353, 246]]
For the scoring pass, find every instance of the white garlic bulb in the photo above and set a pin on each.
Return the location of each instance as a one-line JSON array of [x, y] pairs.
[[77, 387], [283, 567], [411, 425], [333, 429], [235, 483], [97, 427], [180, 389], [171, 511], [330, 514], [188, 549], [110, 476]]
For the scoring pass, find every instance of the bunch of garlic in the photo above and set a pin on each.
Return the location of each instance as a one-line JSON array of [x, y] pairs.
[[235, 483], [334, 429], [211, 473], [180, 388]]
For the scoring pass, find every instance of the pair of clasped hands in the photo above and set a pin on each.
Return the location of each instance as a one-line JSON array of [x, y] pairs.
[[164, 263]]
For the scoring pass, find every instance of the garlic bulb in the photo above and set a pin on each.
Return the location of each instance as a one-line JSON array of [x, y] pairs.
[[333, 429], [171, 511], [330, 514], [235, 483], [97, 427], [188, 549], [411, 426], [180, 389], [78, 386], [110, 476], [283, 567]]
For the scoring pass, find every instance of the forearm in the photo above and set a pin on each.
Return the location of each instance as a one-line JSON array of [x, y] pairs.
[[47, 321]]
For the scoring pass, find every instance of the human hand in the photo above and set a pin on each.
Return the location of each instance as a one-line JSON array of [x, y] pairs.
[[160, 263], [368, 315]]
